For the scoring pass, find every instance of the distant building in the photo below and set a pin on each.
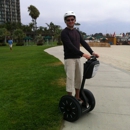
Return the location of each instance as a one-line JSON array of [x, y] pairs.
[[111, 40], [118, 35], [128, 33], [10, 11]]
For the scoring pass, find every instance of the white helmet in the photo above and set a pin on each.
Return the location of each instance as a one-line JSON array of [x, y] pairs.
[[69, 13]]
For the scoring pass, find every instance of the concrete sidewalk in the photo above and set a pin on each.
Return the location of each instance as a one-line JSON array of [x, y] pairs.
[[111, 88]]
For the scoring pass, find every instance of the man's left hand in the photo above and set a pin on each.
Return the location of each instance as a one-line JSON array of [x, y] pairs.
[[95, 54]]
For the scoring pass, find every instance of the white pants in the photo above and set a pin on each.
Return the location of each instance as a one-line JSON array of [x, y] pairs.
[[73, 73], [10, 45]]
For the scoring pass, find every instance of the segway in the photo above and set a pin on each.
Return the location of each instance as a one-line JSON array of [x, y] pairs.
[[70, 107]]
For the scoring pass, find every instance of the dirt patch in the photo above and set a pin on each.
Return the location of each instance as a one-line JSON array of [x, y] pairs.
[[54, 64], [61, 82]]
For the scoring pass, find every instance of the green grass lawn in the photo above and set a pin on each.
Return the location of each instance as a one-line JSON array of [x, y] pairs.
[[31, 85]]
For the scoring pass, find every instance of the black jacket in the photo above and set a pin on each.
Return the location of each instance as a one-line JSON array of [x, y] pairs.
[[71, 41]]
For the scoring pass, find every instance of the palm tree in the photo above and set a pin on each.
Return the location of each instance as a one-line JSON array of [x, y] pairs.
[[40, 30], [77, 25], [31, 26], [54, 30], [46, 31], [57, 36], [34, 13]]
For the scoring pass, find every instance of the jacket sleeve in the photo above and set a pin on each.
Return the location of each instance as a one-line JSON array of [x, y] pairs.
[[85, 45], [67, 43]]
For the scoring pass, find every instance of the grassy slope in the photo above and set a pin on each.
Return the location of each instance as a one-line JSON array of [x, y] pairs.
[[31, 84]]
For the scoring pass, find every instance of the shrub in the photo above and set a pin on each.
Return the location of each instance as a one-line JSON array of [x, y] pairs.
[[2, 44], [19, 44], [40, 42], [59, 43]]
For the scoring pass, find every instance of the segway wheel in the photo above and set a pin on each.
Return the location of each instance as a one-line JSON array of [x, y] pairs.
[[91, 99], [70, 108]]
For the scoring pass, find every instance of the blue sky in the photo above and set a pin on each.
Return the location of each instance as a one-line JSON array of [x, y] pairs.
[[95, 16]]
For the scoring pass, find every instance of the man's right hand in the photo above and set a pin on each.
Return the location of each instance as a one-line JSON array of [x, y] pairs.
[[87, 56]]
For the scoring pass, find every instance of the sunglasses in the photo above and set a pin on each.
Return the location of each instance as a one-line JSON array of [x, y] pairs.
[[68, 20]]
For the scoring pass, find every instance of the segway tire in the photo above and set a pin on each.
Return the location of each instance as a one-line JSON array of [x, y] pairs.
[[91, 99], [70, 108]]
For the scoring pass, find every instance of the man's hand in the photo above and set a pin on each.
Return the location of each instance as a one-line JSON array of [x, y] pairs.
[[86, 56], [95, 54]]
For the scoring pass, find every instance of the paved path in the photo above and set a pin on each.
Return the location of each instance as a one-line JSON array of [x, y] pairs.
[[111, 88]]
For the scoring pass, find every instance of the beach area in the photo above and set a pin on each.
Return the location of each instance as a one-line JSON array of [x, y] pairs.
[[115, 55]]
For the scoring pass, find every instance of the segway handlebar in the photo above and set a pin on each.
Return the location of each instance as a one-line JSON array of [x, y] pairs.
[[93, 57]]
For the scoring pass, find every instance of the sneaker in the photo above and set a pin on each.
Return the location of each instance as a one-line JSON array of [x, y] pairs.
[[80, 101], [87, 106]]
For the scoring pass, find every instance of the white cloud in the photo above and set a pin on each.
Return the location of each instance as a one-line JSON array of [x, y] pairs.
[[89, 11]]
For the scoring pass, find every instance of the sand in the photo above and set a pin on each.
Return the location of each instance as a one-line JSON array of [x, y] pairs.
[[116, 55]]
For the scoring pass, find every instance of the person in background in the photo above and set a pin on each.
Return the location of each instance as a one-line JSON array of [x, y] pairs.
[[10, 42], [72, 39]]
